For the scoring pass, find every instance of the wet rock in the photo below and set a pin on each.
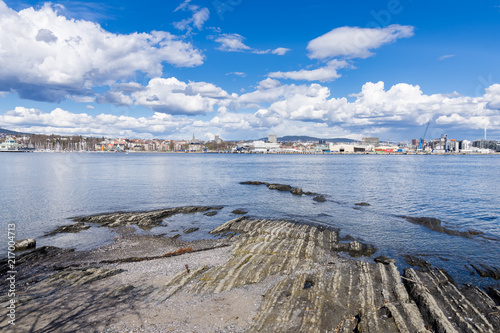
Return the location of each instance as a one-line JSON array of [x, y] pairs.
[[253, 183], [25, 244], [296, 191], [280, 187], [384, 260], [211, 213], [362, 204], [144, 220], [72, 228], [435, 225], [175, 236], [494, 294], [190, 230], [487, 271], [239, 212], [319, 198], [416, 262]]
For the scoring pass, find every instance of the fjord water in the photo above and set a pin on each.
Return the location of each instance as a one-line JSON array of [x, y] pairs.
[[41, 191]]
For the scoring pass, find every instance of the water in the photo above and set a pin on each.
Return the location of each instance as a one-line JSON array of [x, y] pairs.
[[40, 191]]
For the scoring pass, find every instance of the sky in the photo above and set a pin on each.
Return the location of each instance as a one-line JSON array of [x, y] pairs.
[[244, 69]]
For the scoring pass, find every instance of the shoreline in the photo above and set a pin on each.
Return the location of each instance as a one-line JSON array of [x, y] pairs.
[[258, 275]]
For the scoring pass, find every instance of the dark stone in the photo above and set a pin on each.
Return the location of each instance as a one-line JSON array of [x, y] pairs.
[[309, 193], [190, 230], [319, 198], [280, 187], [25, 244], [296, 191], [72, 228], [362, 204], [494, 294], [212, 213], [175, 236], [435, 225], [253, 183], [487, 271], [239, 212], [384, 260], [416, 262]]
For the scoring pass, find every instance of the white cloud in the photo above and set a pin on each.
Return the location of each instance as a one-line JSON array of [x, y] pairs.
[[237, 74], [323, 74], [46, 56], [446, 56], [280, 51], [234, 43], [492, 96], [355, 42], [197, 20], [176, 97], [231, 43], [60, 121]]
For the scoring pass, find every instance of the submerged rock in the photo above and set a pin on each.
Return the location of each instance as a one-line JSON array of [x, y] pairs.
[[72, 228], [319, 198], [253, 183], [211, 213], [487, 271], [190, 230], [25, 244], [362, 204], [435, 225], [239, 212]]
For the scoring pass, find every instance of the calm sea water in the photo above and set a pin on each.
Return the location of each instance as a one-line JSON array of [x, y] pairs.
[[40, 191]]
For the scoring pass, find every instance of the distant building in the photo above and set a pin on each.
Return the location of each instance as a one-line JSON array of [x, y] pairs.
[[370, 142], [345, 148], [273, 138], [259, 146]]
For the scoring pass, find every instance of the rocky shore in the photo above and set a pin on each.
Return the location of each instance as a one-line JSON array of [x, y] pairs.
[[258, 275]]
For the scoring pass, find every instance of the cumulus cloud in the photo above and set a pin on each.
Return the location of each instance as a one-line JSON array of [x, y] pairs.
[[52, 56], [355, 42], [60, 121], [176, 97], [323, 74]]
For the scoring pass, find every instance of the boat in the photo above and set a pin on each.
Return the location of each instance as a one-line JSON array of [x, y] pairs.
[[10, 145]]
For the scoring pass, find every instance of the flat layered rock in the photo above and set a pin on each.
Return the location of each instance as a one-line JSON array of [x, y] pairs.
[[270, 276], [144, 220]]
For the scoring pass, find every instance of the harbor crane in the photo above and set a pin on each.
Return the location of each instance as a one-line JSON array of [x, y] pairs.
[[421, 141]]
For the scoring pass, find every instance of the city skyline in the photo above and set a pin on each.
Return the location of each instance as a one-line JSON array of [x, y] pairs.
[[242, 69]]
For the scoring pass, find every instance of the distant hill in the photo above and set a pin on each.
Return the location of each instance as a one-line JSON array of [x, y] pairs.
[[9, 132], [304, 138]]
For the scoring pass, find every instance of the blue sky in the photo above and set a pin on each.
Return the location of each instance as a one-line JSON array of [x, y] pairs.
[[243, 69]]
